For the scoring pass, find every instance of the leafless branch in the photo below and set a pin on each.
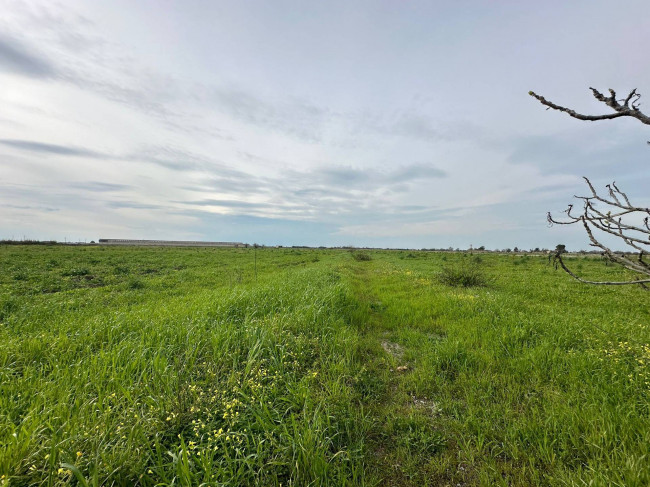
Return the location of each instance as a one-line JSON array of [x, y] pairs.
[[616, 219], [629, 107], [603, 283]]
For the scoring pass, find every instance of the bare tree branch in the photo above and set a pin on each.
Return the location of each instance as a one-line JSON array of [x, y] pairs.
[[619, 218], [603, 283], [628, 108], [610, 220]]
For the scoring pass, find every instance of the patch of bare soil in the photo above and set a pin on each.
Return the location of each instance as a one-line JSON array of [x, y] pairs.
[[393, 349], [427, 405]]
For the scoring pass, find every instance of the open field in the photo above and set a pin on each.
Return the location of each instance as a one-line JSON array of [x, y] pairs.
[[165, 366]]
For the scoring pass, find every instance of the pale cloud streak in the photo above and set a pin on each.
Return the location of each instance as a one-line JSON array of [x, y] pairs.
[[19, 59], [52, 149]]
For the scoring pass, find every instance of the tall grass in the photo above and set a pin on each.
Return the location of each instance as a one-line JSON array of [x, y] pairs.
[[233, 386], [192, 377], [360, 256]]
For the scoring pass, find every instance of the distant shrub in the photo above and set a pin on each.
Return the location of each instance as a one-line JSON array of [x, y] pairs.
[[134, 283], [28, 242], [463, 275], [411, 255], [361, 256], [82, 271], [8, 305], [20, 275]]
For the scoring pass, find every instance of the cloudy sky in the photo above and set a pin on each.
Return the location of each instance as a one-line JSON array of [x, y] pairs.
[[376, 123]]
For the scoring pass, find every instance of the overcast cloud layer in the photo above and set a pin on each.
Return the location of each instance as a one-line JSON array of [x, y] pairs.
[[400, 124]]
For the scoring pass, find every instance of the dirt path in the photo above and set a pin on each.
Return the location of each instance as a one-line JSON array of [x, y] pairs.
[[406, 443]]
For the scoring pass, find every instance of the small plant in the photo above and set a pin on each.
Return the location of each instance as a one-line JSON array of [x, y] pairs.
[[7, 306], [463, 275], [361, 256], [81, 271], [417, 436], [120, 269], [20, 275], [134, 283], [236, 276]]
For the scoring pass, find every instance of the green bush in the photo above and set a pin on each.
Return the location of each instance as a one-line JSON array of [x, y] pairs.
[[463, 275], [361, 256], [81, 271], [134, 283]]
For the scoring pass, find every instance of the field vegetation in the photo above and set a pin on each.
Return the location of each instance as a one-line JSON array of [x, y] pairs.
[[186, 366]]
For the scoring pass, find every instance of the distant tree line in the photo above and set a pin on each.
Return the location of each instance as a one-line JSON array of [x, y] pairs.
[[28, 242]]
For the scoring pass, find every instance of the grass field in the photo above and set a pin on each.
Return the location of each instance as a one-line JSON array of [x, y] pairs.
[[164, 366]]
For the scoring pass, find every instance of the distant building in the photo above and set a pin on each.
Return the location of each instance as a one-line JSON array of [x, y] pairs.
[[168, 243]]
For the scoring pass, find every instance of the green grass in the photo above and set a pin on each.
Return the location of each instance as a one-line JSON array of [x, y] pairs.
[[464, 274], [163, 366], [361, 256]]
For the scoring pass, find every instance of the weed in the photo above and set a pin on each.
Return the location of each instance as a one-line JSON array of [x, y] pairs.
[[76, 272], [369, 385], [20, 275], [134, 283], [8, 305], [120, 270], [417, 436], [462, 275], [361, 256]]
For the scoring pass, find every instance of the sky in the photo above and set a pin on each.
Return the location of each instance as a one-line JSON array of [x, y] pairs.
[[403, 124]]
